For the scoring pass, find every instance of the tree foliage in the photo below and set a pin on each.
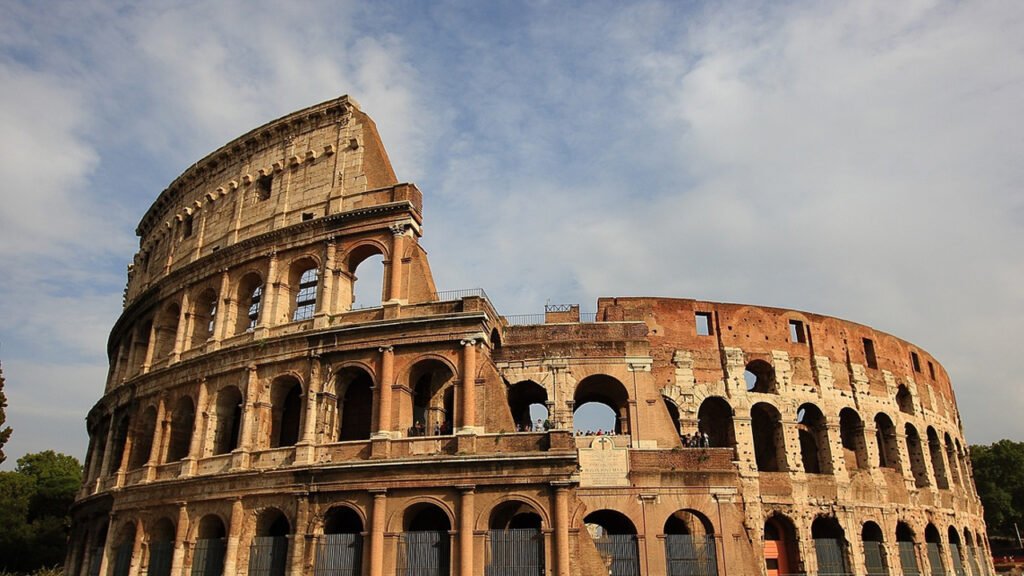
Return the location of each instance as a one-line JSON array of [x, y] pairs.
[[999, 476], [5, 433], [34, 503]]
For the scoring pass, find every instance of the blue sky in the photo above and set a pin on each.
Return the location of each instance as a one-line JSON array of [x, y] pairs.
[[857, 159]]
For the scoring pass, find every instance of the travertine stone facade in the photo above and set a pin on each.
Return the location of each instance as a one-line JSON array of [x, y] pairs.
[[253, 422]]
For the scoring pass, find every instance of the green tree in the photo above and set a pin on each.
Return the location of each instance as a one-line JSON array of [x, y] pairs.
[[999, 476], [57, 478], [5, 433]]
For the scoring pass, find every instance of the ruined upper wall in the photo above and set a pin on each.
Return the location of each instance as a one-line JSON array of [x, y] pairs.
[[319, 161]]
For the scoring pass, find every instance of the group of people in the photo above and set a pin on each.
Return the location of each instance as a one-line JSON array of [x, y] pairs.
[[440, 429], [538, 426], [696, 440], [599, 432]]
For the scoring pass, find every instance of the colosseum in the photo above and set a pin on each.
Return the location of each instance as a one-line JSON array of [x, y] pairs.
[[254, 421]]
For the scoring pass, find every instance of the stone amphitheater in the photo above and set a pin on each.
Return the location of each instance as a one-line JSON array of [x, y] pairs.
[[255, 422]]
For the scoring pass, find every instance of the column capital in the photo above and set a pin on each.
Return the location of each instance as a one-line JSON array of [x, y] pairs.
[[468, 342], [386, 349], [466, 488], [399, 228]]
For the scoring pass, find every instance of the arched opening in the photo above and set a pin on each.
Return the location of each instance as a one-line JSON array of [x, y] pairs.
[[615, 537], [954, 468], [166, 328], [888, 446], [851, 433], [955, 553], [874, 550], [161, 548], [907, 550], [433, 399], [211, 543], [829, 546], [367, 277], [781, 554], [142, 439], [769, 441], [760, 377], [673, 414], [124, 545], [286, 411], [139, 346], [228, 415], [916, 453], [182, 423], [516, 542], [354, 388], [340, 551], [303, 279], [904, 400], [120, 441], [594, 418], [605, 390], [204, 317], [938, 464], [524, 400], [96, 547], [965, 475], [690, 545], [971, 546], [814, 445], [933, 544], [250, 303], [425, 546], [268, 553], [714, 418], [495, 339]]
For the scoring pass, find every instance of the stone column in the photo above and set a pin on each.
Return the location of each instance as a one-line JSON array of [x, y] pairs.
[[199, 426], [297, 550], [385, 380], [395, 263], [468, 386], [224, 306], [248, 411], [150, 346], [184, 331], [156, 449], [108, 545], [377, 532], [271, 287], [136, 560], [234, 535], [561, 529], [466, 497], [180, 535], [325, 304]]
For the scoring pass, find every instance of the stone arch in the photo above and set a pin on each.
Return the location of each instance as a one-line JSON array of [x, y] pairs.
[[673, 413], [142, 439], [370, 292], [343, 519], [249, 299], [425, 541], [956, 550], [830, 545], [397, 519], [204, 316], [933, 546], [268, 553], [432, 384], [688, 521], [340, 548], [873, 541], [781, 550], [183, 419], [210, 526], [513, 513], [495, 339], [904, 400], [426, 515], [916, 453], [851, 433], [286, 403], [815, 453], [615, 536], [484, 518], [769, 438], [954, 468], [124, 547], [228, 408], [906, 543], [607, 390], [165, 325], [759, 376], [888, 444], [714, 418], [938, 464], [303, 287], [522, 396], [689, 544], [354, 396], [161, 547]]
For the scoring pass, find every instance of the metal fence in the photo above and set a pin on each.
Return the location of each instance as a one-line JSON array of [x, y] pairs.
[[94, 561], [123, 559], [515, 552], [831, 560], [339, 555], [160, 553], [425, 553], [446, 295], [268, 556], [958, 561], [208, 557], [935, 560], [874, 558], [622, 550], [908, 559], [972, 561], [689, 556]]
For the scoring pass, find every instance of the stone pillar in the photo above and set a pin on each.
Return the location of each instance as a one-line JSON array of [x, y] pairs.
[[468, 386], [248, 411], [108, 448], [156, 449], [271, 287], [150, 346], [466, 497], [108, 545], [386, 379], [395, 263], [561, 529], [199, 427], [180, 534], [234, 536], [325, 304], [297, 550], [377, 532], [184, 329], [136, 560], [224, 306]]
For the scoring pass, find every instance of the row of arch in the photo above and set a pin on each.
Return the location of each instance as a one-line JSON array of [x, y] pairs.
[[230, 306], [911, 556]]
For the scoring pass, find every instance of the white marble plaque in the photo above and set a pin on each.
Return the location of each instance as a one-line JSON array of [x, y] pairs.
[[603, 464]]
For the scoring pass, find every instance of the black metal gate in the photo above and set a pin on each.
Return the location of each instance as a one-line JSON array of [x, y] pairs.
[[208, 557], [160, 554], [339, 555], [689, 556], [908, 559], [268, 556], [516, 552], [958, 561], [935, 560], [831, 561], [972, 561], [874, 558], [622, 550], [123, 559], [95, 559], [426, 553]]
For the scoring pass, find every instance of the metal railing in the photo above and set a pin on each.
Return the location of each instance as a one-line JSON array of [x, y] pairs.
[[446, 295]]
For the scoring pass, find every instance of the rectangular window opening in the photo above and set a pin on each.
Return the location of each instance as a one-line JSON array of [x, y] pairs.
[[307, 216], [915, 361], [187, 230], [869, 353], [703, 323], [263, 186], [797, 333], [931, 369]]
